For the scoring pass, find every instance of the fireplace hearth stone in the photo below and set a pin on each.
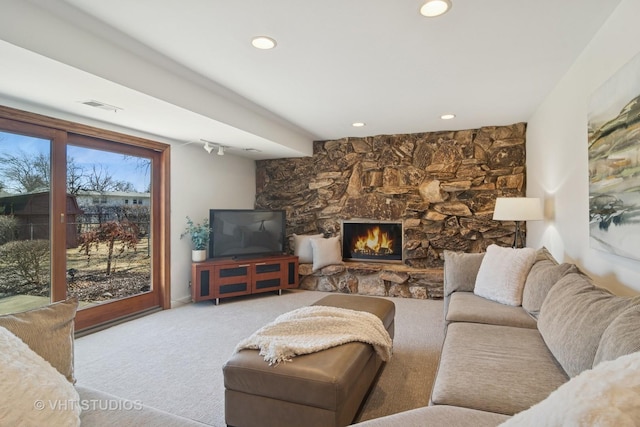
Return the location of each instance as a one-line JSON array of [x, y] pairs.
[[377, 279]]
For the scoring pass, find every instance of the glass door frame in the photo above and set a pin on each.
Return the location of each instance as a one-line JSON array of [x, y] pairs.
[[61, 133]]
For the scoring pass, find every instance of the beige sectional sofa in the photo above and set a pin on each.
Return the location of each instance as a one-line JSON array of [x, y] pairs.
[[557, 358]]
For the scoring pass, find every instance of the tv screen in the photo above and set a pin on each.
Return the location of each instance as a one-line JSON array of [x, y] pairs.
[[246, 233]]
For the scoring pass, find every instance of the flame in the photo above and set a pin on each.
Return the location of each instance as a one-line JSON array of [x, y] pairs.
[[374, 242]]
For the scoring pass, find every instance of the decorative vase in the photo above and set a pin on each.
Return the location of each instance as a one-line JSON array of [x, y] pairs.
[[198, 255]]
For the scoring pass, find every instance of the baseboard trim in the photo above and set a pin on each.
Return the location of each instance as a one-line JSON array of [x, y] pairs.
[[110, 323]]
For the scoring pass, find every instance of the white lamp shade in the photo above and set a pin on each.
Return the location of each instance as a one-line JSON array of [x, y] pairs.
[[518, 209]]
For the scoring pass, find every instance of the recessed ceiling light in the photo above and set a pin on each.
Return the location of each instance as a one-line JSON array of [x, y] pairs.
[[433, 8], [358, 124], [263, 42], [447, 116]]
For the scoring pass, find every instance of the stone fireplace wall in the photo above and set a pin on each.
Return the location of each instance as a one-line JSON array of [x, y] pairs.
[[441, 185]]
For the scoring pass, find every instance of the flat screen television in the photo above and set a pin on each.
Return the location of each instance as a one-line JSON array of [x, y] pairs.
[[246, 233]]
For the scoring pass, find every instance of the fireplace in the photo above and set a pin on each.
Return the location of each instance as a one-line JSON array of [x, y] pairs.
[[373, 241]]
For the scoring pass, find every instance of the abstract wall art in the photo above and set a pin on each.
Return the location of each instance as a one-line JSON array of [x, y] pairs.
[[614, 163]]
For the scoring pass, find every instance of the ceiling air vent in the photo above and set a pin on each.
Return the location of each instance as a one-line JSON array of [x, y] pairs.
[[101, 105]]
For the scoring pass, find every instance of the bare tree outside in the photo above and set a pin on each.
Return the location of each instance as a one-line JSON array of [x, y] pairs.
[[26, 172], [99, 179], [76, 176]]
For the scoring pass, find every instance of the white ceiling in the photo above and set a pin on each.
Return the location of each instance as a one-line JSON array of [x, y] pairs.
[[185, 70]]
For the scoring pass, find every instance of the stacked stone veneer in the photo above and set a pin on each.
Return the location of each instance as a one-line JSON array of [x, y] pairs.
[[441, 185]]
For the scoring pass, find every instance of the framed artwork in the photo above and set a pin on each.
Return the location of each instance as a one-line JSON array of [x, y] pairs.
[[614, 163]]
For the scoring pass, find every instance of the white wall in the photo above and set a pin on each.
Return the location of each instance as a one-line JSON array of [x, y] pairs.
[[199, 182], [557, 168]]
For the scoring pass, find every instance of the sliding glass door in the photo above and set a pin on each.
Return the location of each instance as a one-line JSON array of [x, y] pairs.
[[82, 215]]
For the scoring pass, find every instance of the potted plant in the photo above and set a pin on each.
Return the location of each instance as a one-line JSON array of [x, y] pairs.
[[199, 234]]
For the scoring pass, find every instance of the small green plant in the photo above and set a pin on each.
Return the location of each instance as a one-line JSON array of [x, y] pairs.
[[199, 234]]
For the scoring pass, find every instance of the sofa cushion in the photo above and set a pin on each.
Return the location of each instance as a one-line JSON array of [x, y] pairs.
[[441, 415], [460, 271], [606, 396], [302, 247], [543, 275], [621, 337], [495, 368], [33, 392], [468, 307], [502, 274], [543, 254], [48, 331], [574, 316]]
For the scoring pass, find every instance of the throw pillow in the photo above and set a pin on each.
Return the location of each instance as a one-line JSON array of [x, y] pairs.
[[48, 331], [606, 396], [573, 317], [502, 274], [302, 247], [33, 392], [326, 252], [543, 275], [460, 271], [621, 337]]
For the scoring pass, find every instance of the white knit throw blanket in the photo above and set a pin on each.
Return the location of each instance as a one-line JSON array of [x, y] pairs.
[[311, 329]]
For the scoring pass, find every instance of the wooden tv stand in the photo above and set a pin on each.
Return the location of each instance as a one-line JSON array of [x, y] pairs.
[[222, 278]]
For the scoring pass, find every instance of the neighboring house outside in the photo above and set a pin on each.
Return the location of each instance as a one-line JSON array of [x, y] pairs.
[[112, 198], [99, 207], [32, 212]]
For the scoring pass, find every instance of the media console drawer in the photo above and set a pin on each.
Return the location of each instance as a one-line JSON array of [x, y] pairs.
[[221, 278]]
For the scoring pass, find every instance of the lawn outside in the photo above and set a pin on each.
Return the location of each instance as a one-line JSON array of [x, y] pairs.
[[86, 278]]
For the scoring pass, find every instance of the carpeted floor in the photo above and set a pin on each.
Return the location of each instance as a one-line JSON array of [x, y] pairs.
[[172, 360]]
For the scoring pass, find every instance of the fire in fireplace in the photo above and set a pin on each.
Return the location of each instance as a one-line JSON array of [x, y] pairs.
[[372, 241]]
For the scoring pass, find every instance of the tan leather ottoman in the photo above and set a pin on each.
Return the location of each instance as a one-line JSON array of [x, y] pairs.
[[321, 389]]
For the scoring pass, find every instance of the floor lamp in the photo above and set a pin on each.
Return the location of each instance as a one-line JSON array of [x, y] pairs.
[[517, 209]]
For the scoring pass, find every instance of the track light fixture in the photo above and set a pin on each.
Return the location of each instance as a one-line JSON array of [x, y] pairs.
[[208, 147]]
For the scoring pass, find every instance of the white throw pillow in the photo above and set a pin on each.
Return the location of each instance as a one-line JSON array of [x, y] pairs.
[[326, 252], [33, 392], [302, 247], [502, 274], [606, 396]]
